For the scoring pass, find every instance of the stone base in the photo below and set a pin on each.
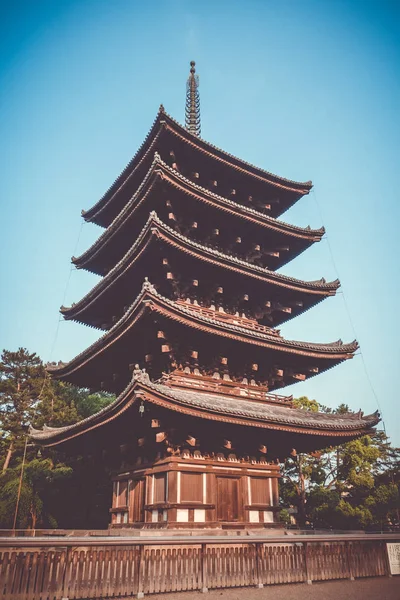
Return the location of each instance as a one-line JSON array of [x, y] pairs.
[[200, 531]]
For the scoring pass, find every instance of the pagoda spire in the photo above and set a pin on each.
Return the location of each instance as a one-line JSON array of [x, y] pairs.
[[192, 111]]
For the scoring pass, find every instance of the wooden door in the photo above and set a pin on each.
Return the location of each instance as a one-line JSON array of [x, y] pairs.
[[228, 499], [137, 501]]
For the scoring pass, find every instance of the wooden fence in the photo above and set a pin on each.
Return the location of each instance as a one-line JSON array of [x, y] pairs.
[[52, 569]]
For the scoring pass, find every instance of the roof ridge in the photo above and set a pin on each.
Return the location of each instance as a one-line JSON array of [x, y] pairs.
[[293, 411], [120, 215], [234, 204], [248, 164], [89, 210]]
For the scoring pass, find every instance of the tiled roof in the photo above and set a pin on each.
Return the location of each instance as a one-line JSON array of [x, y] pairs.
[[159, 166], [249, 411], [319, 286], [162, 116], [336, 350], [263, 411]]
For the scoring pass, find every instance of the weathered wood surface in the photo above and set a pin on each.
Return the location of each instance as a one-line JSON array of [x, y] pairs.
[[39, 569]]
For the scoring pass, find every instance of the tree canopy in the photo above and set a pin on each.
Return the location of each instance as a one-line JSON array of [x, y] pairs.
[[29, 397], [352, 486]]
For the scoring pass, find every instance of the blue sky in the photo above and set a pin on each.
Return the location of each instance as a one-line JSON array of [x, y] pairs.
[[307, 89]]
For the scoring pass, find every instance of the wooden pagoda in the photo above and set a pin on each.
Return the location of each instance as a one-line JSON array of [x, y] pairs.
[[189, 301]]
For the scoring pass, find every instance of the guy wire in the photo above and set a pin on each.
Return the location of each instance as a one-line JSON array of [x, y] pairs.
[[72, 268], [348, 312]]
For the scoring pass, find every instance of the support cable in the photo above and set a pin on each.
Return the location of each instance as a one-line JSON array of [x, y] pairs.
[[72, 268], [349, 313], [55, 337]]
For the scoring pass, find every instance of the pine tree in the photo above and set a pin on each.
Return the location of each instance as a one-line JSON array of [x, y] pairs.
[[21, 379]]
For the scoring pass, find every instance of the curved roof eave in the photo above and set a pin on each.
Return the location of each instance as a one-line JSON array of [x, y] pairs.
[[227, 408], [158, 168], [162, 117], [336, 350], [154, 224], [119, 182]]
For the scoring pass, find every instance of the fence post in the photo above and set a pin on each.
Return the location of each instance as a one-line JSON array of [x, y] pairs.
[[140, 592], [259, 583], [387, 560], [349, 561], [307, 563], [65, 575], [204, 581]]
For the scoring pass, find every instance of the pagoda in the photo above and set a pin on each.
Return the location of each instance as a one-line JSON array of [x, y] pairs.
[[189, 301]]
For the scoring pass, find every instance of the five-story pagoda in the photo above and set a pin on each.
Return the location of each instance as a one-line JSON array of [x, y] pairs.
[[189, 301]]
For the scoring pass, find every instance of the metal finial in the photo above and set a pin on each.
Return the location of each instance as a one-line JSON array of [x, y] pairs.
[[192, 112]]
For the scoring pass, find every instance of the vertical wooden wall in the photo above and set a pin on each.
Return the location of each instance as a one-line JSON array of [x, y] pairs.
[[186, 493]]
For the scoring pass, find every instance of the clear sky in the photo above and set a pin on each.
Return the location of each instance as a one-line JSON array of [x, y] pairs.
[[308, 89]]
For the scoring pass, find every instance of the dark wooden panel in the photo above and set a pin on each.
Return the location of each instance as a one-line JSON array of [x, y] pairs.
[[228, 500], [160, 487], [123, 493], [192, 487], [137, 501], [260, 490]]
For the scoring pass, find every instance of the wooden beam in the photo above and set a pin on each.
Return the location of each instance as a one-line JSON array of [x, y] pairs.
[[281, 308], [298, 376]]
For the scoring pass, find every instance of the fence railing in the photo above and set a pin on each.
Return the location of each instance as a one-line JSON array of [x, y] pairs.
[[108, 567]]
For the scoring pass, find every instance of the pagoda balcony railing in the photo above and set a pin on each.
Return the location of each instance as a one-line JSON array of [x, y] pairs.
[[205, 383], [218, 314]]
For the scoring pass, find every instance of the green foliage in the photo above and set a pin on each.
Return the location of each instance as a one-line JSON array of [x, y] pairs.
[[40, 479], [21, 379], [306, 403], [358, 458], [352, 486], [29, 396], [284, 516]]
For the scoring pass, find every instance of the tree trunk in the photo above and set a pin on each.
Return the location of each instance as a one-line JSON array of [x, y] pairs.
[[33, 518], [8, 457], [302, 492]]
